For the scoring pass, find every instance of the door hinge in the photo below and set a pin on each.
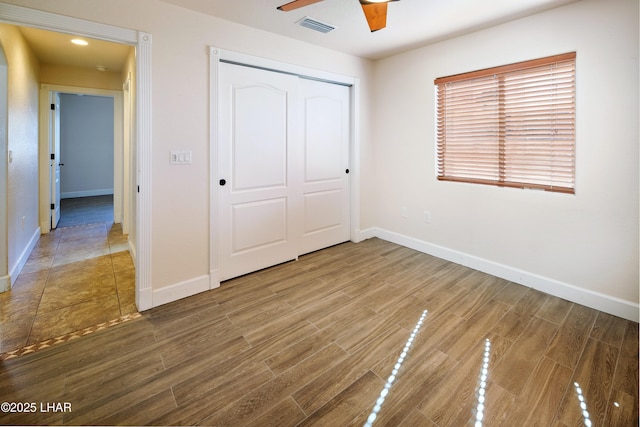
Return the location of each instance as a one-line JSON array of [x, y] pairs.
[[53, 107], [53, 156], [138, 188], [53, 206]]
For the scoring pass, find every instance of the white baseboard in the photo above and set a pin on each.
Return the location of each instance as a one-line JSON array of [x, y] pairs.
[[144, 299], [14, 272], [132, 249], [606, 303], [214, 279], [184, 289], [86, 193], [5, 283], [180, 290], [366, 234]]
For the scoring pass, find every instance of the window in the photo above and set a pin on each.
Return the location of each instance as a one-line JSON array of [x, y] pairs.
[[511, 126]]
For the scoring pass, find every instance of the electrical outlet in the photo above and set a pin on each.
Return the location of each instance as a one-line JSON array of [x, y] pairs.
[[404, 212], [426, 217]]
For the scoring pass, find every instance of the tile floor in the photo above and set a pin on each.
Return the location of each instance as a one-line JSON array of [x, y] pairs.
[[76, 277], [86, 210]]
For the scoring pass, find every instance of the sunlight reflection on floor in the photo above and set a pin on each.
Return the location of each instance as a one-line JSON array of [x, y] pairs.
[[482, 383], [396, 368]]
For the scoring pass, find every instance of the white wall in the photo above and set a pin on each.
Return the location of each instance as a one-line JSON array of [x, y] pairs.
[[180, 87], [588, 240], [86, 145], [22, 136]]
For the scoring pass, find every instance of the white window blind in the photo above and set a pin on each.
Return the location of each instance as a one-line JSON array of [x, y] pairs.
[[510, 126]]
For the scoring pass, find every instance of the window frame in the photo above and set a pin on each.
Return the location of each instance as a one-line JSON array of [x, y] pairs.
[[480, 145]]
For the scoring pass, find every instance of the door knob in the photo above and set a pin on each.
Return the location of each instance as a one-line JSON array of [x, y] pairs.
[[223, 182]]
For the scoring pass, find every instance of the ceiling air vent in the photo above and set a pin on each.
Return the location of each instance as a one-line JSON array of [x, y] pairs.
[[316, 25]]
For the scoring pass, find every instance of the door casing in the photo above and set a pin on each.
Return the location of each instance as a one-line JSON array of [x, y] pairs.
[[46, 93], [5, 278]]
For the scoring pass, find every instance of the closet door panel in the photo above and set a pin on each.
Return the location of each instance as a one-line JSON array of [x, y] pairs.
[[257, 194], [259, 137], [325, 187]]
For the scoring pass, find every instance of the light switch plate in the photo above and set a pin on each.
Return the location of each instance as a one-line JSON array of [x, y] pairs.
[[180, 158]]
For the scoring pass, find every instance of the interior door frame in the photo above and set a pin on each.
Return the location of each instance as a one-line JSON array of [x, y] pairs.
[[55, 145], [46, 91], [142, 249], [5, 278], [217, 55], [127, 151]]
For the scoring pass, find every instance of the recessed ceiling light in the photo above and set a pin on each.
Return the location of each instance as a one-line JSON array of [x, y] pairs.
[[101, 67], [79, 42]]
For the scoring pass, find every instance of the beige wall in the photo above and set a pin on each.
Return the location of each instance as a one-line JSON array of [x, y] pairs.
[[180, 102], [22, 188], [80, 77], [588, 240]]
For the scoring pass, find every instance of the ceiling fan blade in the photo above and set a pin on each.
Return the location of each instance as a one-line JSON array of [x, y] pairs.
[[376, 14], [296, 4]]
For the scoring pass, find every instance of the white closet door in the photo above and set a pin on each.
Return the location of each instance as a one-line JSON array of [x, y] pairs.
[[259, 190], [326, 205]]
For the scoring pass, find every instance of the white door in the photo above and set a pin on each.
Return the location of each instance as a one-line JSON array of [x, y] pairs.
[[55, 159], [326, 217], [258, 190]]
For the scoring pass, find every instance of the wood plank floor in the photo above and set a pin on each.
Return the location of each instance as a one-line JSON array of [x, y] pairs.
[[316, 341]]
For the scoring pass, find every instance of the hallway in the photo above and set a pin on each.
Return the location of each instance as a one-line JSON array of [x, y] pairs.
[[77, 277]]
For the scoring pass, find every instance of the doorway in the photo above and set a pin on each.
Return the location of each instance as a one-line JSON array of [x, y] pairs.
[[87, 157], [86, 161], [141, 147], [92, 168]]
